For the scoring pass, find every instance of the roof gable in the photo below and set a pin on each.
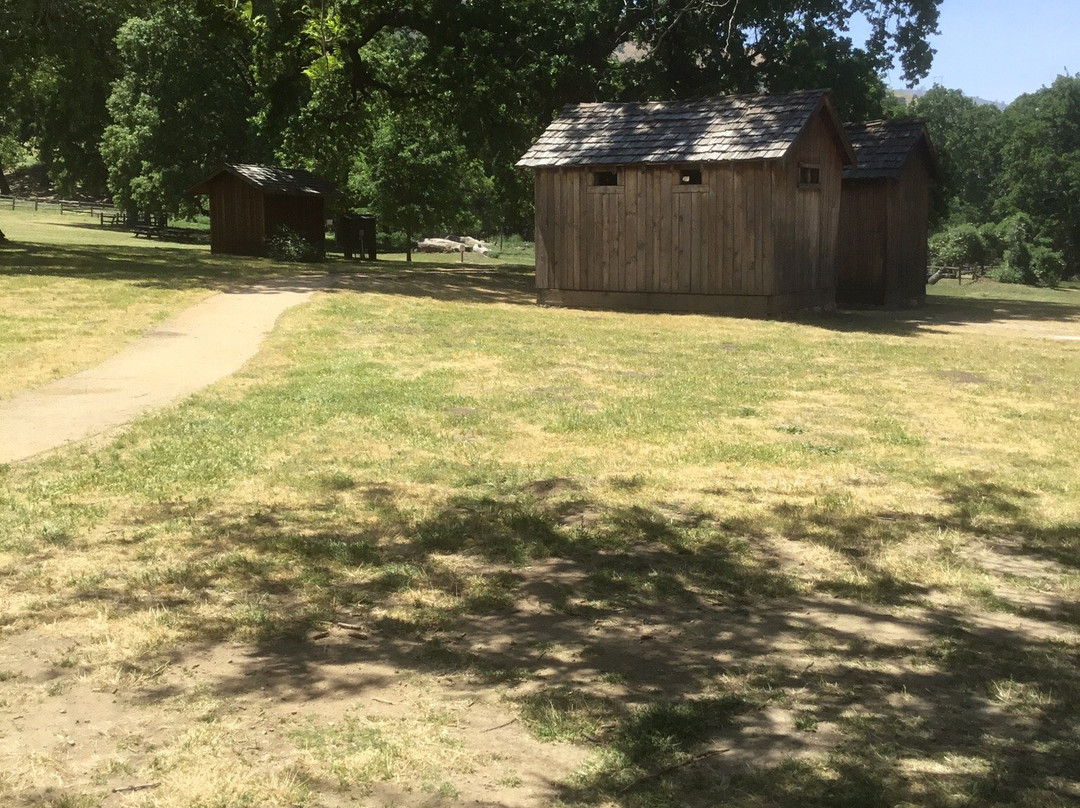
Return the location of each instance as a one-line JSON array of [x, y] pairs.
[[730, 128], [883, 148], [272, 180]]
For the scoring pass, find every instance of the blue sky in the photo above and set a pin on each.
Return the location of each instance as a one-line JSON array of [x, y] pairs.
[[999, 49]]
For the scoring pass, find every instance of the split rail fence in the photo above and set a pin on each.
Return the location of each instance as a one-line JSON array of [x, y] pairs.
[[972, 273], [104, 210], [107, 216]]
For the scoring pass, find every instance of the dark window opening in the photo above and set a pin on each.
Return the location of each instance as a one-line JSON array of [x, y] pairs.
[[690, 176], [809, 177], [605, 179]]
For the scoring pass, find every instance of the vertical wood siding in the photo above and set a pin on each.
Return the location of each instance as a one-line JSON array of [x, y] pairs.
[[236, 217], [884, 227], [304, 214], [747, 230], [807, 227], [242, 217], [863, 237], [912, 224]]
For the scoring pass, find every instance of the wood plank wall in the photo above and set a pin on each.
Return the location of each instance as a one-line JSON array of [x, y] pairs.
[[242, 217], [236, 217], [883, 237], [747, 230], [807, 227], [863, 236], [911, 220], [304, 214], [649, 234]]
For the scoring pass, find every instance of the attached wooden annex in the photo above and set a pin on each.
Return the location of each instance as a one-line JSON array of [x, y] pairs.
[[249, 204], [884, 215], [728, 205]]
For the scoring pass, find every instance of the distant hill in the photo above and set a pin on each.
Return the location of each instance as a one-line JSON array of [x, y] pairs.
[[907, 96]]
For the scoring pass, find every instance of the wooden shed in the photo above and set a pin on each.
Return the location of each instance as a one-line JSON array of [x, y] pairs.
[[884, 214], [727, 205], [249, 204]]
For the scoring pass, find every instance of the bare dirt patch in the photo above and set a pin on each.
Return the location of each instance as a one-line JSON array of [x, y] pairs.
[[67, 733]]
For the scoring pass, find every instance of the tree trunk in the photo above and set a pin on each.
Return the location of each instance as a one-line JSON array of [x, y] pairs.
[[5, 189], [408, 248]]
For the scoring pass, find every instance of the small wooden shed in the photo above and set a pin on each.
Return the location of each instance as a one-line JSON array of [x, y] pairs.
[[250, 203], [727, 205], [885, 213]]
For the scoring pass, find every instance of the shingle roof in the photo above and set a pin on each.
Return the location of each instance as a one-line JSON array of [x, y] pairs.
[[738, 127], [289, 181], [883, 147]]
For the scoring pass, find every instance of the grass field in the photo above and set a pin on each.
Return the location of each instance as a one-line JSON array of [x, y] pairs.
[[439, 546]]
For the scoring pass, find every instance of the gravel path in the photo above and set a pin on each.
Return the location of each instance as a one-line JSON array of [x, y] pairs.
[[201, 345]]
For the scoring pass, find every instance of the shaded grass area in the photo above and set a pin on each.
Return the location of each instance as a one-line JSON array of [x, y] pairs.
[[744, 563]]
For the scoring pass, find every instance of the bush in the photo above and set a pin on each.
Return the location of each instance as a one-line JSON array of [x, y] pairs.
[[391, 242], [288, 245], [993, 243], [1029, 257], [1006, 274], [959, 245], [1047, 266]]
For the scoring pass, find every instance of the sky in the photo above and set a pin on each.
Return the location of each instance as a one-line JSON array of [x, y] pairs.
[[1000, 49]]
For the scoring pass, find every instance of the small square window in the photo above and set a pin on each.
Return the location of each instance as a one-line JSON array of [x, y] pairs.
[[605, 179], [809, 176], [690, 176]]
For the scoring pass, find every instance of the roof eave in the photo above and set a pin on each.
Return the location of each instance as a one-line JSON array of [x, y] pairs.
[[839, 132], [203, 185], [931, 151]]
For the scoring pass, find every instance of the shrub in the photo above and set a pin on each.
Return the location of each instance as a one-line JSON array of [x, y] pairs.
[[288, 245], [959, 245], [993, 243], [391, 241], [1046, 267], [1006, 274], [1028, 256]]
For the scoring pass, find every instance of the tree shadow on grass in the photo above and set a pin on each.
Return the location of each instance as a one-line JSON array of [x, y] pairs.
[[947, 311], [506, 283], [175, 268], [155, 267], [678, 645], [998, 514], [516, 284]]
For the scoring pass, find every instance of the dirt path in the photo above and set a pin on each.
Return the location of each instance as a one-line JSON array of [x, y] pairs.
[[205, 343]]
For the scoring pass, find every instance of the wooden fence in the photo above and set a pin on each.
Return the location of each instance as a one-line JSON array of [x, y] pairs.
[[100, 209], [109, 216], [972, 273]]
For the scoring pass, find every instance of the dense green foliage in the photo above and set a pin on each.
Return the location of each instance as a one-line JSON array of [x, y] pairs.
[[1011, 185], [179, 108], [415, 172], [57, 64], [141, 99]]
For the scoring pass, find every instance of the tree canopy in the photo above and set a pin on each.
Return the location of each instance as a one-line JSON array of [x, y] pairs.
[[143, 98], [180, 105], [1014, 175]]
